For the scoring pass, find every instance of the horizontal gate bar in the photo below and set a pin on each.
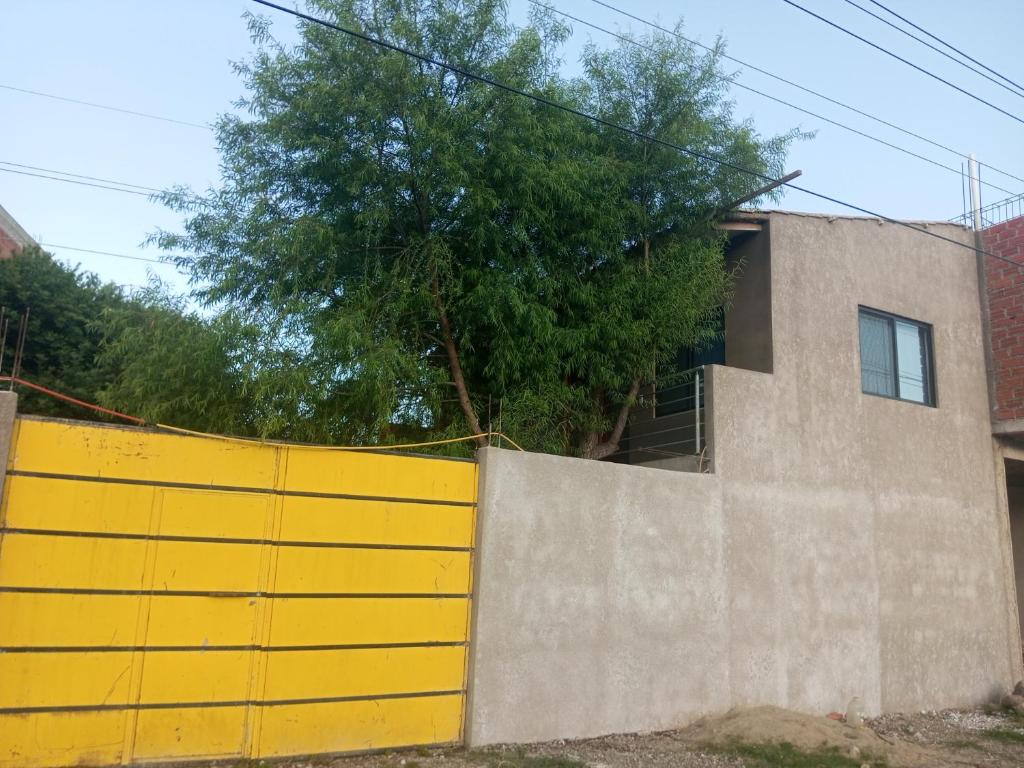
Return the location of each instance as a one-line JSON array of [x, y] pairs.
[[220, 704], [219, 593], [219, 540], [233, 488], [211, 648]]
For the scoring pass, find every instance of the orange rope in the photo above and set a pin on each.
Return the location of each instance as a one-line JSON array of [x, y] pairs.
[[142, 422], [73, 400]]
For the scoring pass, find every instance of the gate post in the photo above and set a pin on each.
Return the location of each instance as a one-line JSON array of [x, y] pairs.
[[8, 410]]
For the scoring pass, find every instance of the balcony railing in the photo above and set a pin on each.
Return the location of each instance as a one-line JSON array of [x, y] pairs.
[[995, 213], [669, 428]]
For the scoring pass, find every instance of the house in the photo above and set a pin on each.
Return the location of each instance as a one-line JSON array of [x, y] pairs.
[[12, 236], [1004, 239], [840, 529]]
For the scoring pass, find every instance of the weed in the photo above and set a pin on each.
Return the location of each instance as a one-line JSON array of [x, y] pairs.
[[1005, 735], [518, 759], [964, 744], [785, 755]]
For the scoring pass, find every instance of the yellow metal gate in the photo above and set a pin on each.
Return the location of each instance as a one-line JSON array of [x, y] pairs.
[[165, 597]]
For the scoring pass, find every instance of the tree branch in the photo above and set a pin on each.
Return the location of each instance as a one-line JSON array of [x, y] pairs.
[[611, 445], [456, 366]]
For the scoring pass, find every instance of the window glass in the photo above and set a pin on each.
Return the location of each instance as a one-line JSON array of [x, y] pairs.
[[912, 362], [896, 357], [876, 358]]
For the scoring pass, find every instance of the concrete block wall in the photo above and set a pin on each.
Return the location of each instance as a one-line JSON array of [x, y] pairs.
[[1006, 305], [613, 598]]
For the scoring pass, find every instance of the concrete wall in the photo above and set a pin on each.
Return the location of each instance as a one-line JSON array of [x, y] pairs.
[[599, 598], [846, 544]]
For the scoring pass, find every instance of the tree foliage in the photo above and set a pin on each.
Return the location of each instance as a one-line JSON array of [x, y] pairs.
[[422, 255], [63, 338]]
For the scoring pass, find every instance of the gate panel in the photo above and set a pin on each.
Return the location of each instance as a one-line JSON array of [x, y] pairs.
[[169, 597]]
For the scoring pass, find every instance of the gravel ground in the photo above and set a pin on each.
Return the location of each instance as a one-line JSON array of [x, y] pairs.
[[920, 740]]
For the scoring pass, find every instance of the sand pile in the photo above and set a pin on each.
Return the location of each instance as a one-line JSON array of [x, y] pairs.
[[772, 725]]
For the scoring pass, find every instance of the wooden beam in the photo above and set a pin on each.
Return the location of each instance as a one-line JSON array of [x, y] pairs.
[[739, 226]]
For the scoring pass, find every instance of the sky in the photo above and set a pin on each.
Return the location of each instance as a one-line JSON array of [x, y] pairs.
[[174, 60]]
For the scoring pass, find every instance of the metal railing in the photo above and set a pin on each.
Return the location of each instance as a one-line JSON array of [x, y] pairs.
[[994, 213], [669, 423]]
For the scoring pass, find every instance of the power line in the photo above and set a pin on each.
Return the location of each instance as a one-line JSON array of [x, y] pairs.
[[938, 50], [91, 181], [107, 253], [80, 176], [624, 129], [911, 64], [796, 85], [105, 106], [948, 45], [73, 181], [851, 129]]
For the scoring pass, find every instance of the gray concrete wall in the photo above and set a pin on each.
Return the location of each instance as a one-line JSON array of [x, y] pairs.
[[8, 412], [599, 599], [845, 545]]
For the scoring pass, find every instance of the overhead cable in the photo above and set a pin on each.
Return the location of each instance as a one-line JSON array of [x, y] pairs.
[[609, 124], [810, 91], [104, 106], [905, 20], [912, 36], [911, 64], [631, 41]]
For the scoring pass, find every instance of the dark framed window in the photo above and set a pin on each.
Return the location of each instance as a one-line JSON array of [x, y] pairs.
[[896, 358]]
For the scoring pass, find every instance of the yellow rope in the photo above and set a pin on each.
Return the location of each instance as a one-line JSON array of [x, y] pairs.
[[259, 441]]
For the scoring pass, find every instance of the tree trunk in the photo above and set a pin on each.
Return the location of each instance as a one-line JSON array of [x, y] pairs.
[[456, 367], [591, 449]]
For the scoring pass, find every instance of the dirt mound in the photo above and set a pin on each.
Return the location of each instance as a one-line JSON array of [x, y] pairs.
[[772, 725]]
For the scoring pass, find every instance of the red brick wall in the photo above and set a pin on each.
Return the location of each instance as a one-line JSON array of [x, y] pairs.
[[8, 246], [1006, 304]]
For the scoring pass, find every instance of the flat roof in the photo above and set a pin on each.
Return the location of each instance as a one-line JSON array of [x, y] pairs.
[[763, 215]]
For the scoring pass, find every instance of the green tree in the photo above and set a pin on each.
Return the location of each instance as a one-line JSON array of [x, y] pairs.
[[429, 252], [63, 338], [169, 365]]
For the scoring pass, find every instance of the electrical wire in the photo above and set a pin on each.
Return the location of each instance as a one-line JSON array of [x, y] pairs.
[[896, 56], [105, 106], [93, 181], [107, 253], [248, 440], [905, 20], [812, 92], [624, 129], [81, 176], [938, 50], [82, 183], [258, 441], [730, 81]]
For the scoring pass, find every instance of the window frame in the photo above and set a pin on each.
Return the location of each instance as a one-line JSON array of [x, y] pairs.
[[931, 396]]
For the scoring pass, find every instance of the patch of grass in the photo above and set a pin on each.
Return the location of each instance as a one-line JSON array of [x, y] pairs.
[[964, 744], [785, 755], [518, 759], [1005, 735]]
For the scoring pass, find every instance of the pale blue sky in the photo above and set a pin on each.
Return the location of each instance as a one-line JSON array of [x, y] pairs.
[[173, 59]]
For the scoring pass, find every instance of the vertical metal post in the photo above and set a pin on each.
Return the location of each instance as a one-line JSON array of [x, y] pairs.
[[696, 412], [982, 270], [972, 170]]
